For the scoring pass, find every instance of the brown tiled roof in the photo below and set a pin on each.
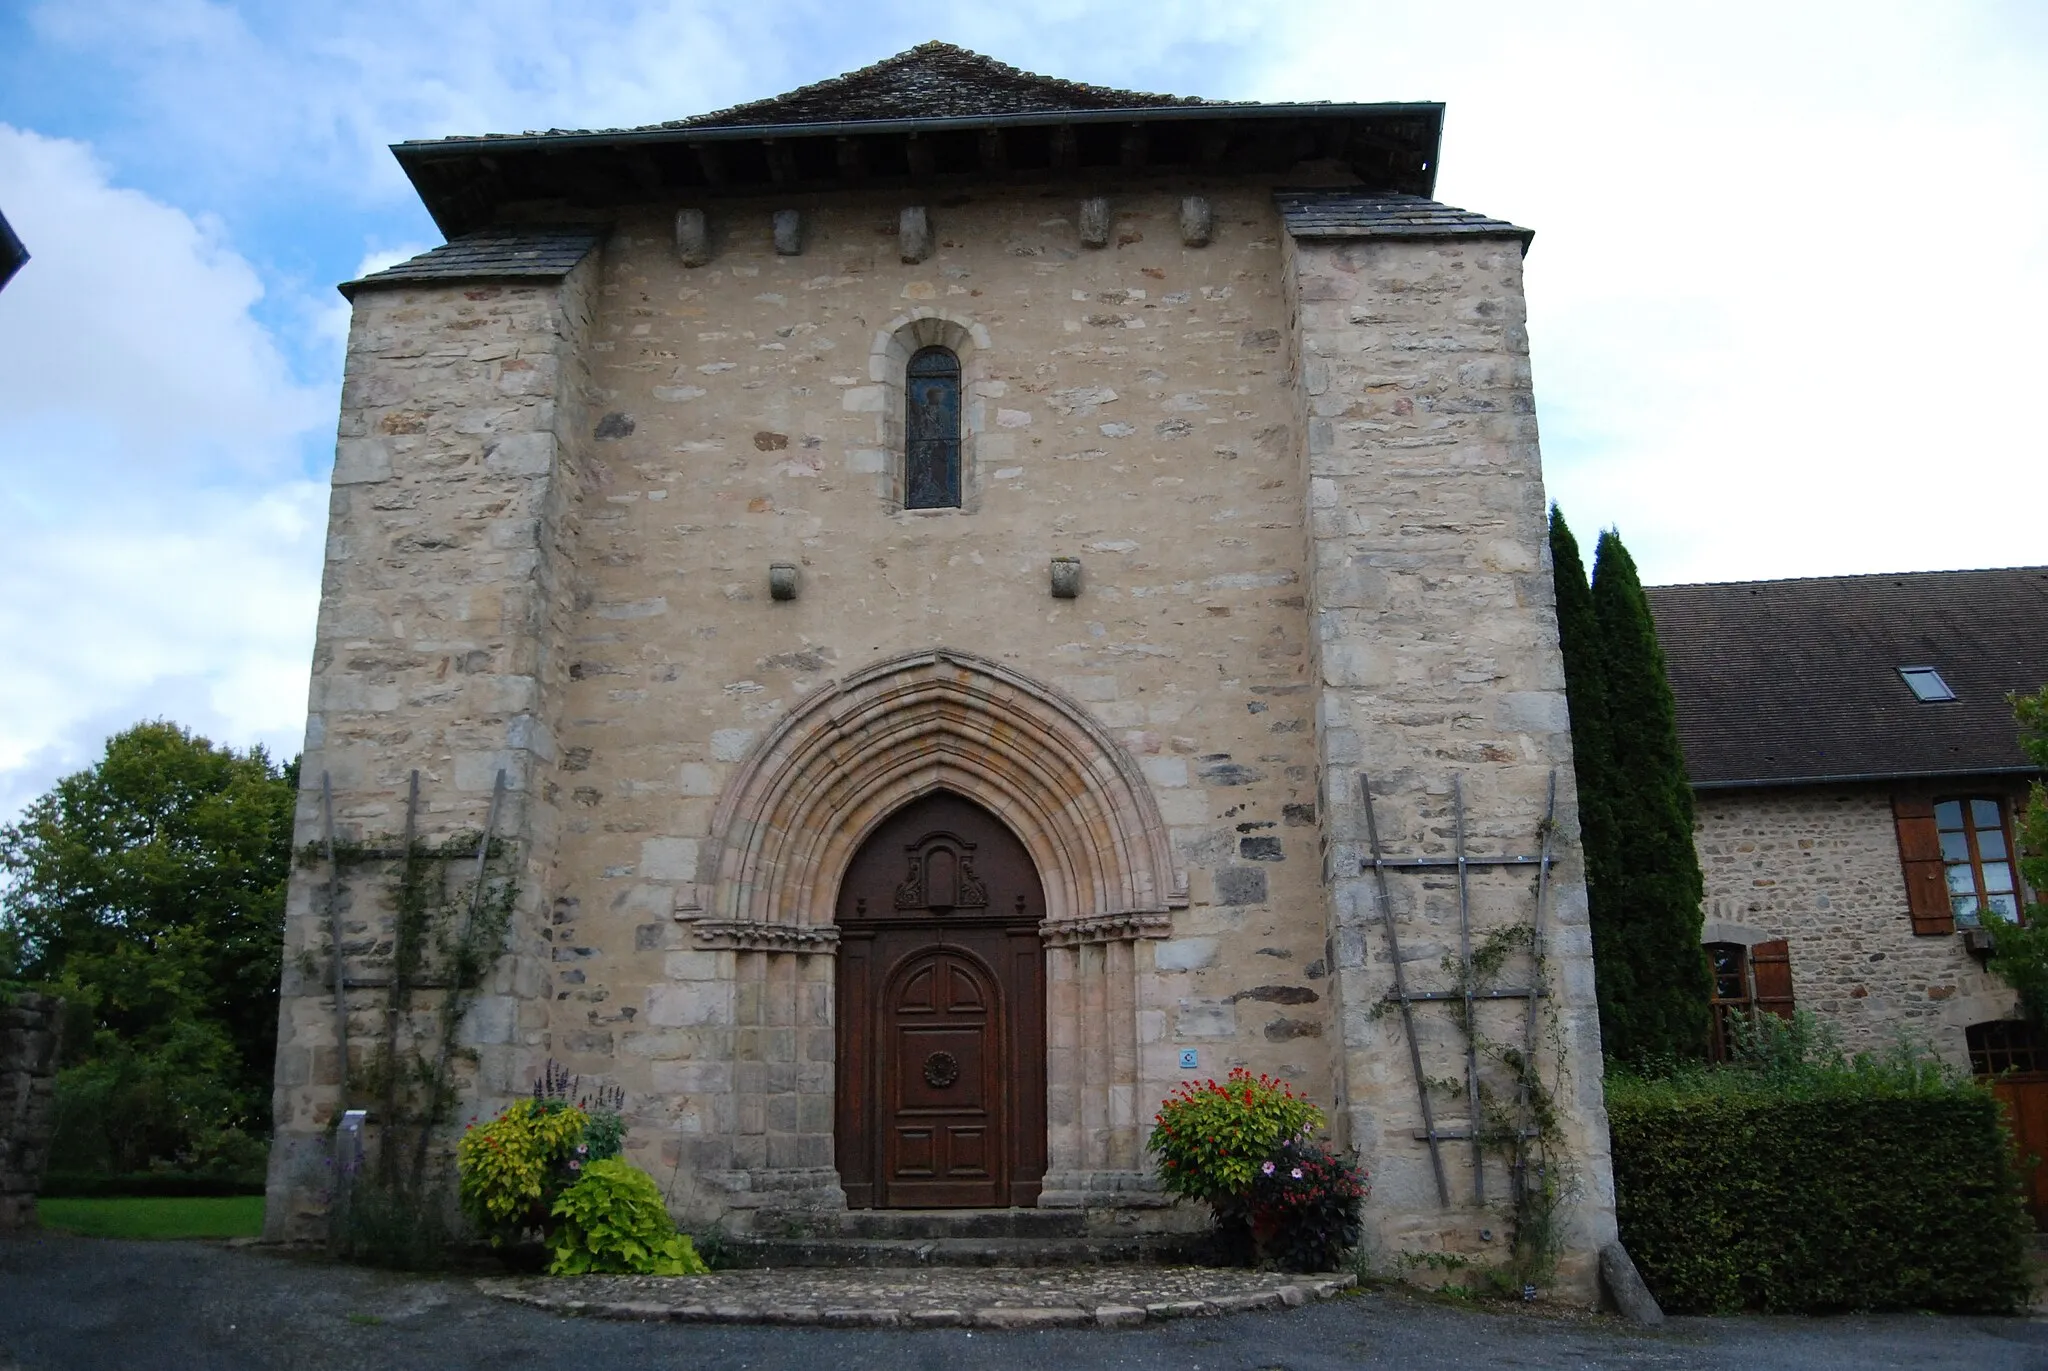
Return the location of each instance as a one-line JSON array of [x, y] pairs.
[[1797, 681], [931, 81]]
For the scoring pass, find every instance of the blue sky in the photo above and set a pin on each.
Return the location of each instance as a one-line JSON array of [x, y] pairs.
[[1786, 294]]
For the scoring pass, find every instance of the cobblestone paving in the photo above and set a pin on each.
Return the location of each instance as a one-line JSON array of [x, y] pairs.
[[955, 1297]]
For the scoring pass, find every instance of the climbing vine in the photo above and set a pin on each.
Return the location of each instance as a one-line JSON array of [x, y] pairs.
[[450, 903]]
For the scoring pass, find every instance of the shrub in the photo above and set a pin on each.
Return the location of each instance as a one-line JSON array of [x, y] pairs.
[[514, 1166], [1211, 1138], [613, 1220], [1306, 1204], [1803, 1185]]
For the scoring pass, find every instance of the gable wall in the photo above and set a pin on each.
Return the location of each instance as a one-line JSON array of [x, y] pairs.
[[1133, 409]]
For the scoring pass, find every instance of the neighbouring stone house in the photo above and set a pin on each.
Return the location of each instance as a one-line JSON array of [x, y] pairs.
[[1857, 774], [937, 559]]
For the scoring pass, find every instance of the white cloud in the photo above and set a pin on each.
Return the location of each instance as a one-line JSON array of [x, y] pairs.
[[159, 538], [1787, 269]]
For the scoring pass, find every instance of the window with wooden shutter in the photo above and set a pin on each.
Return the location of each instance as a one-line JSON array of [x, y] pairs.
[[1926, 873], [1747, 981], [1977, 853], [1731, 995], [1770, 966]]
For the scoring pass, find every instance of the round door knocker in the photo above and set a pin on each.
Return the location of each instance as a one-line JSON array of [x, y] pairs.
[[941, 1070]]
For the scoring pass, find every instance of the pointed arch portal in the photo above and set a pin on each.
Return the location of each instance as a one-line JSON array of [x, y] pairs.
[[839, 766]]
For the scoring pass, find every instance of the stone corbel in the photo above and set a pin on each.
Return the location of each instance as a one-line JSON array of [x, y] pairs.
[[1197, 221], [1095, 222], [789, 232], [693, 237], [914, 234], [1107, 928]]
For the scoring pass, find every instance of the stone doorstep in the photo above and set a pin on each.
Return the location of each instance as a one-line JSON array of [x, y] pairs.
[[921, 1300]]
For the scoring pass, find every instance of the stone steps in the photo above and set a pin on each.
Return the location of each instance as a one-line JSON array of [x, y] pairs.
[[946, 1237]]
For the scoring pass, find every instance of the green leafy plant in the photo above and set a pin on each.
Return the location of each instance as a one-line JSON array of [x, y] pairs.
[[612, 1219], [1307, 1206], [515, 1166], [2019, 951], [1211, 1138]]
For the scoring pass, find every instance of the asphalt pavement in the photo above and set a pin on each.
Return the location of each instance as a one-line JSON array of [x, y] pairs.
[[82, 1304]]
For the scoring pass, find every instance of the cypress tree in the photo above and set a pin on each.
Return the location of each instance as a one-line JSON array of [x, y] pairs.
[[1578, 633], [1662, 984]]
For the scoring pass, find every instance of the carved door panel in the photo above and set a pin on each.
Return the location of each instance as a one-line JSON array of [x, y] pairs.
[[942, 1126], [941, 1022]]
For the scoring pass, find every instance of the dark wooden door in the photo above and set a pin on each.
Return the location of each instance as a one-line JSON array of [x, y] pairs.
[[941, 1024], [2026, 1109]]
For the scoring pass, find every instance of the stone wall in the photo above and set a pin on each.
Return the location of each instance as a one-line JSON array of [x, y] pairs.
[[1819, 867], [30, 1033], [1436, 640], [1130, 406]]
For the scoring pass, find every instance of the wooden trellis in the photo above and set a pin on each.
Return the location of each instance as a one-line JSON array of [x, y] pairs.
[[1379, 863]]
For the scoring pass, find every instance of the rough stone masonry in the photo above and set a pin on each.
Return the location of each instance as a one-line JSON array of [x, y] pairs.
[[619, 512]]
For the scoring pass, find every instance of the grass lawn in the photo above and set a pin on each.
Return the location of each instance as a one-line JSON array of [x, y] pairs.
[[231, 1216]]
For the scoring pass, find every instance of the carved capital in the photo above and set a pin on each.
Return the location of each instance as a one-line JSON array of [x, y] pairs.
[[742, 935], [1107, 928]]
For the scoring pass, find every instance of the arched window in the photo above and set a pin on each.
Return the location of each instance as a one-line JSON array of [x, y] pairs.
[[931, 430]]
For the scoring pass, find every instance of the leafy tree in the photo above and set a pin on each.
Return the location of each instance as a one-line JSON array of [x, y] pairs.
[[2019, 952], [1578, 631], [149, 890], [1656, 1006]]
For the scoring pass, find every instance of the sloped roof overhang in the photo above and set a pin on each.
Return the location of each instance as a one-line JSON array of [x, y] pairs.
[[469, 183]]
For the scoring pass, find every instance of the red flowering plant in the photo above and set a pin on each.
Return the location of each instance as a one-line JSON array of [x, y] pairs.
[[1212, 1138], [1307, 1206]]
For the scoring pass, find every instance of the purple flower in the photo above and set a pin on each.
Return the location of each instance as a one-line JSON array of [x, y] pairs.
[[1268, 1169], [575, 1165], [582, 1147], [1296, 1173]]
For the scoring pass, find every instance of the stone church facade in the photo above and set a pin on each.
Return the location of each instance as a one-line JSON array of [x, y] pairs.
[[938, 560]]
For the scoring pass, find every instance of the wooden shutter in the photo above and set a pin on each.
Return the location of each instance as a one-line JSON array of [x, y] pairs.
[[1771, 965], [1920, 855]]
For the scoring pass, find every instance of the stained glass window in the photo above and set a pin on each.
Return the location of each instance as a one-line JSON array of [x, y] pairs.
[[931, 430]]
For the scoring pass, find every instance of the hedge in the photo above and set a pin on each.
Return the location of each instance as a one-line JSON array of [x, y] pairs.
[[1838, 1194]]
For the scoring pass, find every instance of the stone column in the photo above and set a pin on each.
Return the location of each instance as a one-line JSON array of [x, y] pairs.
[[753, 1007], [450, 579], [1093, 1088], [1436, 638]]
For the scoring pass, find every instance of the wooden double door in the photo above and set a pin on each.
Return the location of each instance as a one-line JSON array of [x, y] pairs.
[[941, 1019]]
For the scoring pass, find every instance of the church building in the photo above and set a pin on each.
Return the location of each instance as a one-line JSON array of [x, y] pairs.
[[964, 599]]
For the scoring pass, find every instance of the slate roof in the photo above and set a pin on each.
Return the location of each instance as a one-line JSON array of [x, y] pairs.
[[1782, 682], [931, 81], [932, 117], [541, 252], [1346, 213]]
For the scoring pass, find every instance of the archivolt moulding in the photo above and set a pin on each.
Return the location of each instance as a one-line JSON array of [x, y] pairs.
[[854, 752]]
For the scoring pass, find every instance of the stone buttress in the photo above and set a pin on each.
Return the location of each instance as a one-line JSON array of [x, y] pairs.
[[449, 578], [1436, 640]]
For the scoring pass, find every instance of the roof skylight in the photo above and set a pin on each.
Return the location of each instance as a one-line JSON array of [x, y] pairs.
[[1926, 684]]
